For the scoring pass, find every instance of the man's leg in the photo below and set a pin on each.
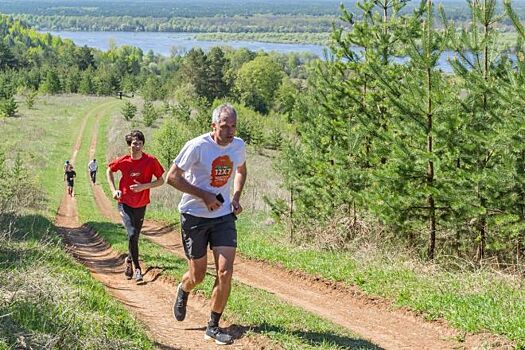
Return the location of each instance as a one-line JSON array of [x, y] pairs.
[[195, 242], [195, 274], [132, 219], [224, 258]]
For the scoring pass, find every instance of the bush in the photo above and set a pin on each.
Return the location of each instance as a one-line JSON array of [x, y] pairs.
[[30, 97], [18, 188], [8, 108]]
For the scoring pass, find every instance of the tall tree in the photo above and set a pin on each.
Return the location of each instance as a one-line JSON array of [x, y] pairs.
[[484, 145], [217, 62], [257, 82], [195, 70], [420, 100]]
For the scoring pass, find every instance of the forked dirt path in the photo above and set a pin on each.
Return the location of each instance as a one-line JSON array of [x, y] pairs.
[[346, 306], [150, 302]]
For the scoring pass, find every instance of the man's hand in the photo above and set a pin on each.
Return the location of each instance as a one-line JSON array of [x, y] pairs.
[[237, 208], [137, 186], [117, 194], [211, 201]]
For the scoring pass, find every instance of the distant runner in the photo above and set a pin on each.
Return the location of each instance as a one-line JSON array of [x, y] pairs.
[[93, 167], [137, 169], [204, 171], [69, 177]]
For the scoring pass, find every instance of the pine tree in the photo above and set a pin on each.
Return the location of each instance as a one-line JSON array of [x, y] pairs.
[[343, 117], [51, 83], [418, 136], [149, 114], [217, 63], [8, 107], [129, 110], [86, 85], [484, 142], [195, 70]]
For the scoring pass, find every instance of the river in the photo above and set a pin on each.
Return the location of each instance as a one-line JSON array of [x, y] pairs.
[[165, 43]]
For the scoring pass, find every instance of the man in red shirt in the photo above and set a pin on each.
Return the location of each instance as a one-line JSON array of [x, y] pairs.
[[137, 169]]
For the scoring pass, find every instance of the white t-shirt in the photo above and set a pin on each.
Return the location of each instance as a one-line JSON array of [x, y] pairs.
[[92, 166], [210, 167]]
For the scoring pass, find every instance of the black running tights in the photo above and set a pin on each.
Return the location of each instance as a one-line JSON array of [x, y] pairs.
[[132, 218]]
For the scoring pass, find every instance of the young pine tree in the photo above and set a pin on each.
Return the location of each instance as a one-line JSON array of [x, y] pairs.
[[129, 110]]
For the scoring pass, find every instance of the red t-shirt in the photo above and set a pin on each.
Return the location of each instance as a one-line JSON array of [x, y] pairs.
[[136, 171]]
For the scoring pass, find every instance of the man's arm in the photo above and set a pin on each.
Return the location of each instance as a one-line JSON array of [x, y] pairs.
[[176, 179], [137, 187], [111, 180], [238, 185]]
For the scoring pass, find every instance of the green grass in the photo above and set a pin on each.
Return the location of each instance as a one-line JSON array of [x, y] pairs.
[[48, 299], [269, 37], [471, 301]]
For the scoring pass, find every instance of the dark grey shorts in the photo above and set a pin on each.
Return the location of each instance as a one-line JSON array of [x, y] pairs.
[[197, 232]]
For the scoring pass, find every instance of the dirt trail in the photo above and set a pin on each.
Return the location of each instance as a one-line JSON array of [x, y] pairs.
[[371, 319], [150, 302]]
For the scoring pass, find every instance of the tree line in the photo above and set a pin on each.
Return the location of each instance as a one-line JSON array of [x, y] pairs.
[[163, 8], [203, 24]]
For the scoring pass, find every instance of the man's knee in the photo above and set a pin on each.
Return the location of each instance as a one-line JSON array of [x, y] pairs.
[[197, 277], [225, 275], [133, 234]]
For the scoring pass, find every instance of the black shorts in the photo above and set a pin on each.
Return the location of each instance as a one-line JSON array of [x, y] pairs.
[[70, 183], [197, 232]]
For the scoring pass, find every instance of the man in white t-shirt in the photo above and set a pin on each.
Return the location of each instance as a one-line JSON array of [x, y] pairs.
[[204, 170], [93, 167]]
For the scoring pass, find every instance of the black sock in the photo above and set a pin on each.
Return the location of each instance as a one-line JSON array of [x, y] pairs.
[[214, 319]]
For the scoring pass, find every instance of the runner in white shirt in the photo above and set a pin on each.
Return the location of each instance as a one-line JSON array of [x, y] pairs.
[[92, 167], [204, 171]]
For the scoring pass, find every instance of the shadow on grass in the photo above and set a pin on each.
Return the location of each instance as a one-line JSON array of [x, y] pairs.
[[17, 230], [311, 338], [26, 227], [115, 234]]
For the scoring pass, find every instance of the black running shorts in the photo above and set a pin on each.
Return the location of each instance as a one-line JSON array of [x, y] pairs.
[[197, 232]]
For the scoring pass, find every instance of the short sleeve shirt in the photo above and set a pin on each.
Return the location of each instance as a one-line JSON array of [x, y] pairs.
[[92, 166], [210, 167], [136, 171]]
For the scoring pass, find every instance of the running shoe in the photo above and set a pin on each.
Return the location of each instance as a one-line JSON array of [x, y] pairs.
[[129, 269], [215, 333], [138, 276], [179, 307]]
